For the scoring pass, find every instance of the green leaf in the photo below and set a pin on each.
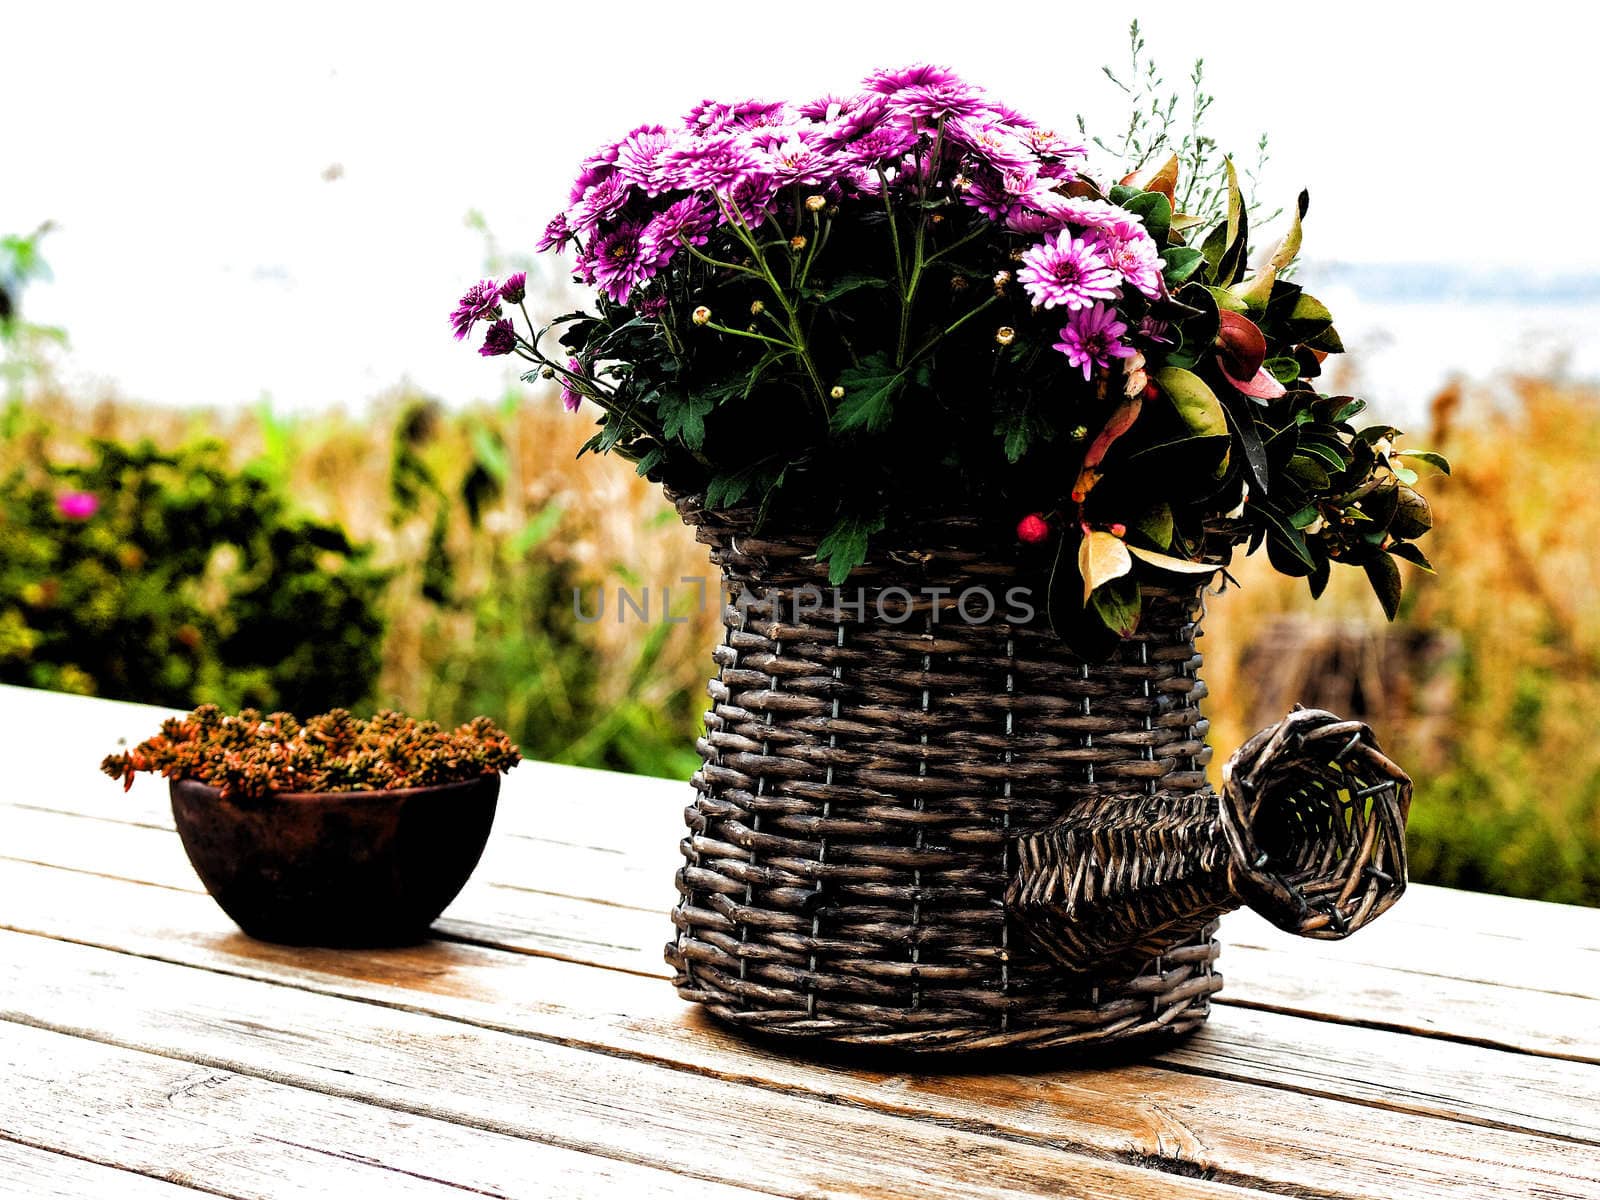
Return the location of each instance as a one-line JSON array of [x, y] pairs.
[[1117, 605], [1411, 554], [1327, 341], [1155, 210], [1102, 557], [1309, 318], [1385, 579], [1196, 403], [1437, 461], [1279, 526], [1156, 524], [1242, 421], [1227, 300], [1285, 368], [726, 490], [650, 461], [1257, 291], [1318, 579], [1179, 566], [683, 416], [844, 548], [1308, 472], [846, 284], [1181, 264], [869, 394]]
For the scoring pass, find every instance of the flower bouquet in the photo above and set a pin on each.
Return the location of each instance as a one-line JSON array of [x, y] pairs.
[[898, 344]]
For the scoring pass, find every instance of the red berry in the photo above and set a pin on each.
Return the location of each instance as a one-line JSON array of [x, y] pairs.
[[1119, 530], [1033, 529]]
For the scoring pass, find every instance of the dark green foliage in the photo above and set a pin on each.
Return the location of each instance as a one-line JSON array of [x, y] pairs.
[[190, 582]]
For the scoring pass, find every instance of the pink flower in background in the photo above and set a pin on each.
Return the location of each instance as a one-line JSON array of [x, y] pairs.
[[77, 506], [1067, 271], [1092, 337]]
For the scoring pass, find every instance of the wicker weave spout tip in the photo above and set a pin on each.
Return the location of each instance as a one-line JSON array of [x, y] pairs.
[[1309, 831]]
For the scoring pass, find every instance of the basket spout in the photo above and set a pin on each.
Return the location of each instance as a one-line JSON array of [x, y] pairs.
[[1309, 831]]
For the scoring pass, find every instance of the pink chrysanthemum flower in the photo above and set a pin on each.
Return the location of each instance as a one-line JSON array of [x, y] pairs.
[[690, 221], [571, 397], [861, 116], [1132, 252], [598, 166], [933, 102], [1067, 271], [1092, 337], [77, 506], [751, 198], [620, 261], [481, 302], [1047, 143], [990, 144], [556, 234], [639, 158], [886, 145], [795, 160], [716, 162], [917, 75], [600, 203], [501, 339]]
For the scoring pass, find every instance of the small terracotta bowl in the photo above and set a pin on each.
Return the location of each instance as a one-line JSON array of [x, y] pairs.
[[336, 868]]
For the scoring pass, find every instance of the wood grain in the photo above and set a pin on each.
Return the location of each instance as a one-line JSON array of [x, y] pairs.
[[236, 1134], [419, 1067], [1234, 1129], [47, 1175]]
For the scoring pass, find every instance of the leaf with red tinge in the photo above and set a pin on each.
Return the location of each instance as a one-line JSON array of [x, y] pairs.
[[1260, 386]]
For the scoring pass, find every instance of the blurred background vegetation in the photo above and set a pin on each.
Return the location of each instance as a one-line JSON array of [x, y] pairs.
[[424, 557]]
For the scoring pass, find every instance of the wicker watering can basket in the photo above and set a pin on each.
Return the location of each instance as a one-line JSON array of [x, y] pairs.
[[921, 830]]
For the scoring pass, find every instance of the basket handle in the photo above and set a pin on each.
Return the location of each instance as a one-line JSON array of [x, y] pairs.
[[1309, 831]]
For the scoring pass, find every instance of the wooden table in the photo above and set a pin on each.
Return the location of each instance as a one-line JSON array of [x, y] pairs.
[[151, 1050]]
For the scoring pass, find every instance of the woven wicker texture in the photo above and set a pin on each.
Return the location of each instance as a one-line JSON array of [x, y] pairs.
[[1309, 831], [865, 782]]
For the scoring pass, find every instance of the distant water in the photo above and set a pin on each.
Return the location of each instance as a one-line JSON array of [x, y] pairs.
[[1409, 329], [295, 335]]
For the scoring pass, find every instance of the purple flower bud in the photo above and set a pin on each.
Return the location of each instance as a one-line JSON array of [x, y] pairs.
[[514, 288], [501, 339]]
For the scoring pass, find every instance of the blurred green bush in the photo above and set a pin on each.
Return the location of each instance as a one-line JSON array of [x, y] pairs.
[[173, 579]]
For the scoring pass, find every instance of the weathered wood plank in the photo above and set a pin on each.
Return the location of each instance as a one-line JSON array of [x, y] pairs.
[[243, 1135], [47, 1175], [1239, 1130], [481, 1079], [1264, 967]]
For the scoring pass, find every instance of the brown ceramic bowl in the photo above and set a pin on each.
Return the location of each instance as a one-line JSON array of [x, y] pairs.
[[336, 868]]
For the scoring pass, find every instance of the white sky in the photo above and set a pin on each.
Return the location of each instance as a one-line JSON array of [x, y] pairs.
[[202, 257]]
